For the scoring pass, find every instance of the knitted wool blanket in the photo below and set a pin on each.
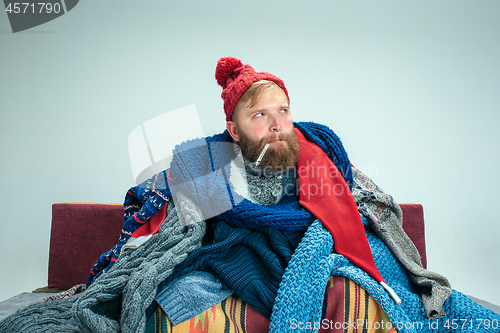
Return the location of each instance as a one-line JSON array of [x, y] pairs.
[[301, 292], [428, 302]]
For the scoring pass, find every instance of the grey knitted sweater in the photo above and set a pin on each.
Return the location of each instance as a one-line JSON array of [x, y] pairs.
[[117, 301]]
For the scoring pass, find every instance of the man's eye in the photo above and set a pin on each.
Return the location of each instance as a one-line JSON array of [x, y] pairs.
[[284, 110], [259, 114]]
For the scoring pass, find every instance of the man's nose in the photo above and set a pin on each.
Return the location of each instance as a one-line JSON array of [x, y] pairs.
[[275, 124]]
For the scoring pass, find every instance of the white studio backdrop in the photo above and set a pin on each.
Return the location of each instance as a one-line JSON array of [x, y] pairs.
[[410, 87]]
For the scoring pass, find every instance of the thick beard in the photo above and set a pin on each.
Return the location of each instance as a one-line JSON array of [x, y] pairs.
[[275, 159]]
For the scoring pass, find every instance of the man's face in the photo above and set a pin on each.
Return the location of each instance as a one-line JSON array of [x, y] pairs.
[[268, 121]]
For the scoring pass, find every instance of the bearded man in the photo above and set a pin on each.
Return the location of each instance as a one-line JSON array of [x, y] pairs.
[[288, 237], [290, 231]]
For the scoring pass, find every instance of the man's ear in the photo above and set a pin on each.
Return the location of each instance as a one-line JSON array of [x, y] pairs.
[[233, 131]]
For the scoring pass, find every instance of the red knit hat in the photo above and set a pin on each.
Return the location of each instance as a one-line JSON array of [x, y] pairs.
[[235, 78]]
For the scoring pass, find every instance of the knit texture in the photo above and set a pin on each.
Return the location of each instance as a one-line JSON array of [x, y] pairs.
[[42, 317], [116, 301], [264, 251], [302, 289], [141, 203], [331, 144], [335, 209], [264, 254], [265, 187], [190, 295], [386, 218], [199, 169], [235, 78]]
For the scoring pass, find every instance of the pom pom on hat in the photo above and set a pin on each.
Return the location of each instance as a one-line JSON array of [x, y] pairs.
[[225, 69], [235, 78]]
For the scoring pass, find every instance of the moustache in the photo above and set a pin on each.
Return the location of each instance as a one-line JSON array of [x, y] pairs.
[[276, 137]]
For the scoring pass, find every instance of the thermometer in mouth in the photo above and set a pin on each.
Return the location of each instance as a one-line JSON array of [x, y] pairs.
[[262, 154]]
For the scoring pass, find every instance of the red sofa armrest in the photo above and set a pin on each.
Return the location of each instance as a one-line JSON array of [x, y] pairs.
[[80, 233], [413, 225]]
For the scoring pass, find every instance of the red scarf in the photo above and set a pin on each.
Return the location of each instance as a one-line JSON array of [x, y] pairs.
[[325, 193]]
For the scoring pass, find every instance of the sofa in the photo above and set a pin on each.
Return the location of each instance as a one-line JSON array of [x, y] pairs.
[[81, 232]]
